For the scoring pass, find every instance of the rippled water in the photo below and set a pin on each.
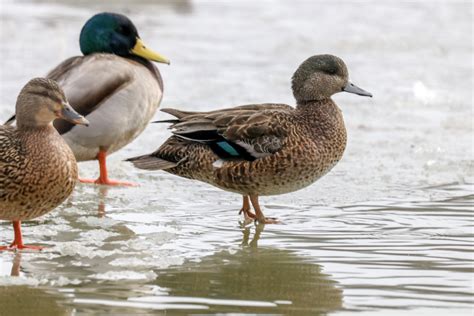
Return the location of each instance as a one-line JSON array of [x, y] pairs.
[[389, 229]]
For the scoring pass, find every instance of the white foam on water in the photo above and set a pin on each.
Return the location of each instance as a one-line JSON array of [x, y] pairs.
[[124, 275]]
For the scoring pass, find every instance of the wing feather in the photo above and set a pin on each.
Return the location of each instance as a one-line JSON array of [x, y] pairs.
[[88, 81], [248, 132]]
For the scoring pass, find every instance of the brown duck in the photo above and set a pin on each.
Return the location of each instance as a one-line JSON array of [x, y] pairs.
[[262, 149], [38, 170]]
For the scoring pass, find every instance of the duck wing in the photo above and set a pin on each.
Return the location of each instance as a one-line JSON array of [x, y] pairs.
[[88, 81], [245, 132]]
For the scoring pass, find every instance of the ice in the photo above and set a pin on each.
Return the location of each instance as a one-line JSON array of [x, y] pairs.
[[76, 248], [124, 275]]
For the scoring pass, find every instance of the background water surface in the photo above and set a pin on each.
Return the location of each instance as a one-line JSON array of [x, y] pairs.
[[389, 229]]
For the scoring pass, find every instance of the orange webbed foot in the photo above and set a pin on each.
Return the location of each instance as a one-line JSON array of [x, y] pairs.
[[110, 182], [17, 243], [14, 247], [103, 175]]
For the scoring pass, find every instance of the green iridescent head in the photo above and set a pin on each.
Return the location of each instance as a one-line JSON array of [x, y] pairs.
[[114, 33]]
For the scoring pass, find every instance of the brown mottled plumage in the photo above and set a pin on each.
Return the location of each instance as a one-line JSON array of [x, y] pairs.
[[263, 149], [38, 170]]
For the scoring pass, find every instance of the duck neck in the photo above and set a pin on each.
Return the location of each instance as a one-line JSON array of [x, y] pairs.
[[148, 65], [323, 117], [41, 139], [43, 130], [313, 106]]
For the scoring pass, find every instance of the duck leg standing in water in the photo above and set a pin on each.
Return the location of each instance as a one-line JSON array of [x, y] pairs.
[[262, 149], [246, 210], [103, 178], [17, 242]]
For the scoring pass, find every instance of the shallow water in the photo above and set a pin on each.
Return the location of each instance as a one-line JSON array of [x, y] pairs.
[[389, 229]]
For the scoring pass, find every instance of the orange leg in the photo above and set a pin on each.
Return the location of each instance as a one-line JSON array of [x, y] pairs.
[[18, 241], [248, 215], [259, 214], [103, 177]]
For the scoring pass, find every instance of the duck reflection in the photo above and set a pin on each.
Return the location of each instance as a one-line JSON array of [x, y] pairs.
[[246, 242], [294, 285], [16, 265], [95, 196], [24, 300], [102, 197]]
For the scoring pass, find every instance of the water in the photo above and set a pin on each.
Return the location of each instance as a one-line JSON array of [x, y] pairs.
[[388, 231]]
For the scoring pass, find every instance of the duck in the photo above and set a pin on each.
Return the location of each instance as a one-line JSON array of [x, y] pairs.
[[38, 170], [262, 149], [114, 85]]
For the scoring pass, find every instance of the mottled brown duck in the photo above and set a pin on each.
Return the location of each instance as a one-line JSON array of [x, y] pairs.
[[114, 85], [38, 170], [262, 149]]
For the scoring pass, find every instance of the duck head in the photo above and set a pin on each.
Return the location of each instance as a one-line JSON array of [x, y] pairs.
[[40, 102], [321, 76], [115, 34]]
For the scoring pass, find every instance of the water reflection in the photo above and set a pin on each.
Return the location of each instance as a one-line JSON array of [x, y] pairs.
[[266, 280], [97, 195], [25, 300], [102, 196], [16, 265], [254, 241]]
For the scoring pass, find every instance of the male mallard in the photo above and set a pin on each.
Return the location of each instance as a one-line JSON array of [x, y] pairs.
[[114, 85], [38, 170], [262, 149]]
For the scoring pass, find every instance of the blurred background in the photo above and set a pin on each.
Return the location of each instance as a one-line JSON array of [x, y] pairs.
[[389, 228]]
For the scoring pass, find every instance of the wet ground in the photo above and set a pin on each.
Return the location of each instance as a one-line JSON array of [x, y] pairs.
[[388, 231]]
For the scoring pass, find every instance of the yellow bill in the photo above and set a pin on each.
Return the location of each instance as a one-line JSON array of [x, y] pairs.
[[141, 50]]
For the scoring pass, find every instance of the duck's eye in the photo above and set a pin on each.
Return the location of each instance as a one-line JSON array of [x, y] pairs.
[[331, 71], [124, 30]]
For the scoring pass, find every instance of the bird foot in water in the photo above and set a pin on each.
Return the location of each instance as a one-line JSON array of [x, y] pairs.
[[14, 247], [249, 217], [267, 220], [111, 182]]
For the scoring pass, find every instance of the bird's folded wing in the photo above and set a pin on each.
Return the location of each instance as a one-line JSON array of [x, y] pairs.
[[246, 132], [88, 82]]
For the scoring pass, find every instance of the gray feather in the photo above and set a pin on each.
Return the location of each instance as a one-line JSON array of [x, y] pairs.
[[149, 162]]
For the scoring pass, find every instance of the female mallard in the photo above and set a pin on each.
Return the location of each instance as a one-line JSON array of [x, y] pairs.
[[38, 170], [262, 149], [114, 85]]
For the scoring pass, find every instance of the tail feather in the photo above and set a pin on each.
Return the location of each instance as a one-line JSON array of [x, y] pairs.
[[10, 120], [149, 162], [176, 113], [173, 121]]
